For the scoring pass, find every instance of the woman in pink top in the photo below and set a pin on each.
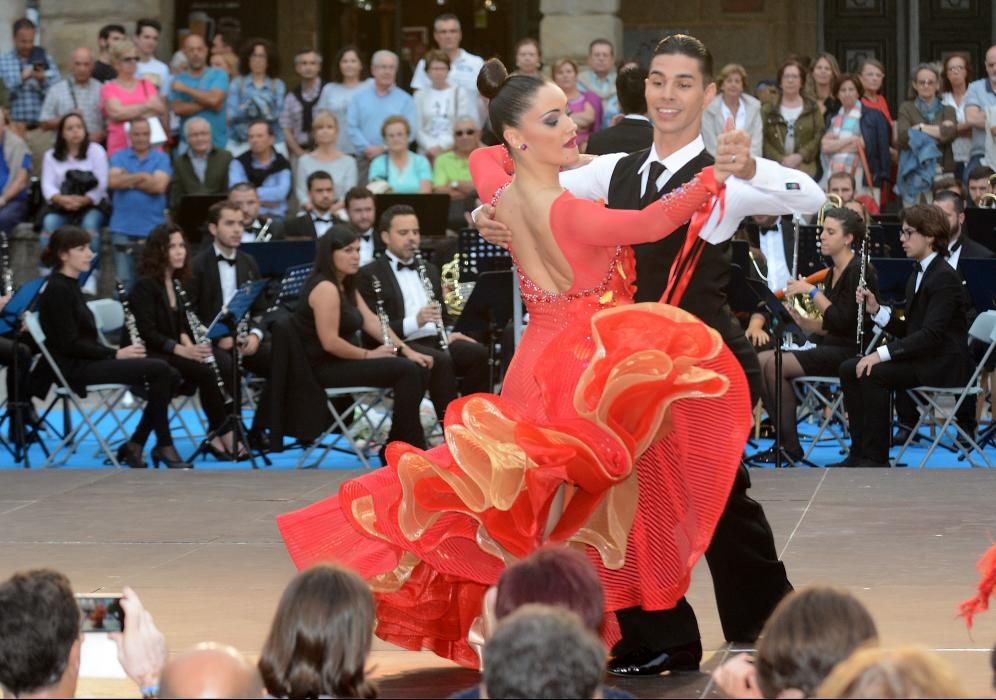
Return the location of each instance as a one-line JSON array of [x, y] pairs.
[[585, 107], [126, 98]]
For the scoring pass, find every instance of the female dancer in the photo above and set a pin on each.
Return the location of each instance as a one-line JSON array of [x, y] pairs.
[[594, 387]]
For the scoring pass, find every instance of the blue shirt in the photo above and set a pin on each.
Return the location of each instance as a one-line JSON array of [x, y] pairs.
[[136, 212], [980, 94], [405, 181], [5, 173], [210, 79], [368, 110], [246, 102], [275, 188]]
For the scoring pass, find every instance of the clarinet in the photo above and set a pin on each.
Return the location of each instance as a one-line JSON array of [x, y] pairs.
[[129, 317], [430, 295], [264, 235], [7, 275], [385, 324], [199, 333], [862, 283]]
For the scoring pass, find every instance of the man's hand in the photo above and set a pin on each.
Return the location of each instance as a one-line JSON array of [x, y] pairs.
[[455, 337], [737, 678], [863, 296], [141, 647], [372, 151], [733, 156], [249, 344], [428, 313], [866, 363], [493, 231]]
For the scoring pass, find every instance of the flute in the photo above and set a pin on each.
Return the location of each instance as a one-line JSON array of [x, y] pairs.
[[199, 333], [862, 283], [7, 276], [385, 324], [129, 317], [430, 295]]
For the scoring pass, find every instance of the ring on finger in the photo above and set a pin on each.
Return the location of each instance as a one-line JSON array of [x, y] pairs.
[[733, 158]]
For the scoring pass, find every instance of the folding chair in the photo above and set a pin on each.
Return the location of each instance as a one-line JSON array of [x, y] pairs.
[[928, 400], [364, 400]]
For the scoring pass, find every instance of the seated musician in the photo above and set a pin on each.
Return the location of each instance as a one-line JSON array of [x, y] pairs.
[[318, 218], [71, 336], [835, 336], [244, 196], [166, 333], [930, 346], [414, 316], [773, 237], [18, 384], [328, 316]]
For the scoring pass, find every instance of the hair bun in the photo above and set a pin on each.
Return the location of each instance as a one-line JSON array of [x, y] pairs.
[[492, 76]]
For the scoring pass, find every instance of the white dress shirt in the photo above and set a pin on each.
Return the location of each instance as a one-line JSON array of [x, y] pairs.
[[413, 294], [227, 275], [773, 247], [884, 313], [366, 247], [954, 252], [321, 222]]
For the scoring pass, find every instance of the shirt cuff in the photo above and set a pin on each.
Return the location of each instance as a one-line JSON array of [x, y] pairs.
[[473, 214], [883, 353], [882, 316], [409, 325], [258, 333]]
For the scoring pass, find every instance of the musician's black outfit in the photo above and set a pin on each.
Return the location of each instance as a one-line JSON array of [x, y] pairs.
[[19, 383]]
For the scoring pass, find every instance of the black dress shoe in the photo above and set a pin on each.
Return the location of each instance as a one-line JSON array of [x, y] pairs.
[[169, 455], [259, 440], [901, 436], [685, 657], [130, 453], [846, 463], [768, 456]]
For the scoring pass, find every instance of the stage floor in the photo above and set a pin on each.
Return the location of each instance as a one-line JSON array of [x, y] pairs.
[[202, 550]]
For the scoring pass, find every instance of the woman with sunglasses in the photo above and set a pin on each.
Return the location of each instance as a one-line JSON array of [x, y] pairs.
[[126, 97]]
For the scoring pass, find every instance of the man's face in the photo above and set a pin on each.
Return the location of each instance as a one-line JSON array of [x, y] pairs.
[[447, 35], [109, 41], [676, 94], [321, 192], [260, 141], [228, 230], [24, 41], [465, 136], [841, 186], [385, 71], [977, 188], [600, 58], [140, 136], [361, 214], [248, 202], [307, 66], [218, 44], [82, 65], [199, 137], [147, 40], [955, 220], [991, 64], [403, 238], [196, 51]]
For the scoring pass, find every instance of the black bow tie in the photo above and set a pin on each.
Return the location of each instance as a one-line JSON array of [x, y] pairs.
[[222, 258], [955, 247], [322, 219], [768, 229], [367, 238], [407, 266]]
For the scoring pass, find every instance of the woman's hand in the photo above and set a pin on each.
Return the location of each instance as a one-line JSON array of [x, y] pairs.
[[799, 286], [792, 160], [196, 353], [130, 352], [381, 352], [417, 357]]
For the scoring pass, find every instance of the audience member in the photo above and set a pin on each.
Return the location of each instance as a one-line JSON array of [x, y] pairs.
[[451, 172], [599, 77], [584, 107], [633, 131], [793, 124], [333, 610], [147, 32], [317, 217], [766, 91], [227, 37], [267, 170], [872, 73], [955, 77], [300, 103], [138, 180], [949, 183], [860, 209], [733, 103], [109, 34], [256, 93], [362, 212], [821, 83], [200, 91], [127, 97], [227, 63], [807, 635], [203, 168], [979, 99], [438, 105], [528, 58], [79, 93], [326, 158], [347, 78], [979, 184], [922, 156], [843, 185], [372, 105], [403, 171], [960, 247], [906, 672], [15, 169], [464, 66], [853, 130], [210, 671]]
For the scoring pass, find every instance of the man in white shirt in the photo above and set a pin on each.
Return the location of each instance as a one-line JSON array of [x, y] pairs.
[[464, 66], [149, 67]]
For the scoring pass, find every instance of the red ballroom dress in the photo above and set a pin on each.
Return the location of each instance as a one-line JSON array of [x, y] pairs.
[[627, 419]]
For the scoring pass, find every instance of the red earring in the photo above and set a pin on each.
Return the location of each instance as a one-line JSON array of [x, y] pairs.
[[523, 147]]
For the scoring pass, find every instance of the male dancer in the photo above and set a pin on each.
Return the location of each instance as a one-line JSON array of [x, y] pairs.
[[747, 576]]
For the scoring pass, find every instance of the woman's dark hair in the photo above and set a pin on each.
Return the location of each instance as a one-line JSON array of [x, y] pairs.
[[510, 96], [524, 42], [929, 221], [945, 83], [61, 148], [321, 635], [272, 58], [553, 576], [62, 240], [848, 78], [850, 223], [788, 63], [155, 255], [337, 72], [336, 238]]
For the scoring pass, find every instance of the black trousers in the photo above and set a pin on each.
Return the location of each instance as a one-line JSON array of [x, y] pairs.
[[157, 379], [202, 377], [464, 360], [867, 404], [19, 382]]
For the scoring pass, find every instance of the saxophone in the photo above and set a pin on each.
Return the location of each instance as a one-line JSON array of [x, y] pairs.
[[7, 270], [430, 295], [129, 317], [385, 324], [199, 333]]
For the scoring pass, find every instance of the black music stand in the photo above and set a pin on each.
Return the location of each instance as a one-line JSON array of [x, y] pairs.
[[478, 256], [191, 215], [11, 319], [275, 257], [488, 311], [226, 324], [893, 274], [980, 226], [291, 285], [433, 210]]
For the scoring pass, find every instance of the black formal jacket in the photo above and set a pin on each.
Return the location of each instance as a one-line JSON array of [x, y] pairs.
[[970, 249], [628, 135], [204, 287], [390, 291], [158, 324], [933, 336]]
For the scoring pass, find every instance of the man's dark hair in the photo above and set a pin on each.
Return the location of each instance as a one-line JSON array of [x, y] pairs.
[[39, 623], [214, 212], [22, 23], [980, 172], [357, 193], [949, 196], [148, 22], [929, 221], [318, 175], [387, 218], [842, 175], [685, 45], [541, 651], [108, 29], [242, 187], [631, 89], [596, 42], [446, 17], [256, 122]]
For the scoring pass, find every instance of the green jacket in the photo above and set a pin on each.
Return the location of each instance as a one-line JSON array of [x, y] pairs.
[[185, 180], [808, 132]]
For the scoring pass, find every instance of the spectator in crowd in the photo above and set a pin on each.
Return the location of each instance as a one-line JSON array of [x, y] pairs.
[[332, 608], [979, 184], [361, 210], [451, 172], [766, 91], [464, 66], [633, 131], [906, 672], [528, 58], [732, 102], [926, 114], [200, 90], [127, 97], [793, 125], [317, 217], [403, 171], [210, 671], [78, 93], [347, 78], [29, 73], [438, 106], [257, 93], [872, 73], [177, 64], [227, 37], [103, 70], [74, 185], [979, 99], [599, 77], [949, 183], [227, 63], [820, 86], [149, 67], [855, 127], [861, 210], [585, 108], [955, 77], [41, 636], [15, 170], [268, 171], [300, 103], [203, 168], [372, 105], [138, 180], [843, 185], [326, 158]]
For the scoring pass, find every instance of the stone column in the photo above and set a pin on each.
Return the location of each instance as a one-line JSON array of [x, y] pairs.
[[568, 26]]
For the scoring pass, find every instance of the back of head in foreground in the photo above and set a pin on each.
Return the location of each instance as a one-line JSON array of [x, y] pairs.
[[210, 671], [907, 672], [541, 651]]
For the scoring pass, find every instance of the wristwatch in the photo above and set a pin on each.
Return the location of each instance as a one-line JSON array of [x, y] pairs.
[[454, 185]]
